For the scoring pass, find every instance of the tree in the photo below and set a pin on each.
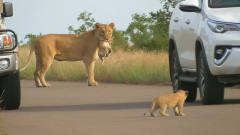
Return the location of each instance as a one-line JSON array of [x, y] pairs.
[[120, 40], [138, 30], [151, 31], [31, 37], [87, 22]]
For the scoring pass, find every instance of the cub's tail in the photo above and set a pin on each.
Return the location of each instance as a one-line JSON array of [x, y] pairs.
[[29, 58], [150, 112]]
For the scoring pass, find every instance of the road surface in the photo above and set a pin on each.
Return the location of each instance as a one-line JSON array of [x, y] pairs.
[[73, 108]]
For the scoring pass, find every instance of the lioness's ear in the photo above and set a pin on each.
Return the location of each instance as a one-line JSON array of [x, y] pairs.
[[97, 25], [111, 25]]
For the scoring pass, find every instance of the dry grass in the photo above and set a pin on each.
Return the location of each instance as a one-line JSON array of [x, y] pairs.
[[121, 67]]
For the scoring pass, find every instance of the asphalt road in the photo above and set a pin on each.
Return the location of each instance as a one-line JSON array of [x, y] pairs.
[[73, 108]]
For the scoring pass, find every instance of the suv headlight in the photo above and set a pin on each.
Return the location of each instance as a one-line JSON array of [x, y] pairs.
[[8, 40], [221, 27]]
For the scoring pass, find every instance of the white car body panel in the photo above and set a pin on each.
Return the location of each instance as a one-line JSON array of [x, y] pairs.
[[186, 35]]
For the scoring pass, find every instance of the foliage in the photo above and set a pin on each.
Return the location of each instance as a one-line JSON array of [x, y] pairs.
[[120, 40], [138, 31], [87, 22], [146, 31], [150, 31], [31, 37]]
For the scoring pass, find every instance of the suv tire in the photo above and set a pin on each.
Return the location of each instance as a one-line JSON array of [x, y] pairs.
[[175, 72], [211, 91], [10, 91]]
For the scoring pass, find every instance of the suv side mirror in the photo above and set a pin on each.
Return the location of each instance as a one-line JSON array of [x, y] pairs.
[[190, 6], [7, 9]]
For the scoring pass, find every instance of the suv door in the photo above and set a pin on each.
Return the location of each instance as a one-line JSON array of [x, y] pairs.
[[188, 39], [176, 26]]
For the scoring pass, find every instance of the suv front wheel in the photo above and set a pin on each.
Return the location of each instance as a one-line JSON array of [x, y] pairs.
[[10, 91], [211, 91]]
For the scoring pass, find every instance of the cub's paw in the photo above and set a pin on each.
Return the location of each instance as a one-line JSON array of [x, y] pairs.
[[164, 114], [46, 85], [148, 114], [181, 114], [39, 85], [92, 83]]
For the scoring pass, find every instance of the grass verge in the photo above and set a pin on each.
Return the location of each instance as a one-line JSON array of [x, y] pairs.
[[135, 67]]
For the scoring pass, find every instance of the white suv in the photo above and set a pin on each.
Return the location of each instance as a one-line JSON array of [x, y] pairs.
[[204, 48]]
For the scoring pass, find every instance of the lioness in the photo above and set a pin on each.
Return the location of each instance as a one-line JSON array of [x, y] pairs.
[[173, 100], [71, 47]]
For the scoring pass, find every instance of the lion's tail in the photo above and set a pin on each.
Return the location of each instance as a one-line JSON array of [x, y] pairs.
[[154, 103], [29, 58]]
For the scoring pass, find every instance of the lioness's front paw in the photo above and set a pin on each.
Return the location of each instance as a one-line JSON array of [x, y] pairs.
[[92, 83]]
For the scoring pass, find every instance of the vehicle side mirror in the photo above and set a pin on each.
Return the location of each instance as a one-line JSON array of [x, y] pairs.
[[190, 6], [7, 9]]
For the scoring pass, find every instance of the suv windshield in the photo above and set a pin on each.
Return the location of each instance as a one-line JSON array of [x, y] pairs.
[[224, 3]]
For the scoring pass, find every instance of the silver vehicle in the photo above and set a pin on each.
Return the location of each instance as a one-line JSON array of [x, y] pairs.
[[9, 63], [204, 48]]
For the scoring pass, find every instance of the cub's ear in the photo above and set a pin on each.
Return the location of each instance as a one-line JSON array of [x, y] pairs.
[[111, 25], [97, 25]]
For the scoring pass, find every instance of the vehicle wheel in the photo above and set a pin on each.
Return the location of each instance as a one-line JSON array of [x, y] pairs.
[[175, 72], [192, 92], [10, 91], [211, 91]]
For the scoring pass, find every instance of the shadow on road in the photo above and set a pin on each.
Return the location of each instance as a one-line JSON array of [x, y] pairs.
[[88, 107], [95, 107], [231, 101], [108, 106], [225, 102]]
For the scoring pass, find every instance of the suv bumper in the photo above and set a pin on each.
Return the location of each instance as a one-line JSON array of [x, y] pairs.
[[231, 65], [13, 63], [229, 80]]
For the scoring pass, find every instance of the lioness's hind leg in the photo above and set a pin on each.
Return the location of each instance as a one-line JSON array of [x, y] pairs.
[[37, 73], [43, 70], [37, 80], [43, 81]]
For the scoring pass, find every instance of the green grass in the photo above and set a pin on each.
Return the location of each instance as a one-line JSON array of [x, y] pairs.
[[135, 67]]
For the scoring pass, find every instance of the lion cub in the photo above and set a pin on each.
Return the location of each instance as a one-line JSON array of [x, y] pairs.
[[173, 100]]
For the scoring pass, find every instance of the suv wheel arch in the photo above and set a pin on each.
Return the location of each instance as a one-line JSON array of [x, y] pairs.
[[176, 72]]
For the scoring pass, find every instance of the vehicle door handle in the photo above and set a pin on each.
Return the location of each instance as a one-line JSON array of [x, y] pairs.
[[187, 21], [175, 19]]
